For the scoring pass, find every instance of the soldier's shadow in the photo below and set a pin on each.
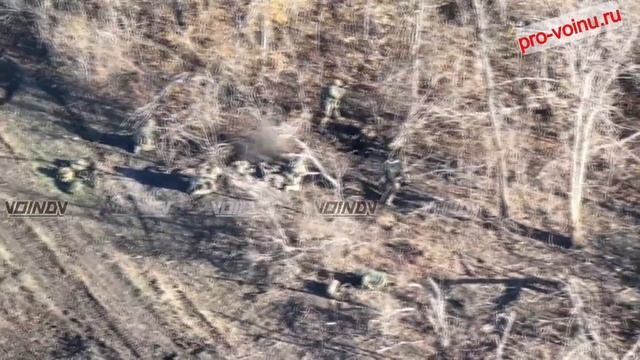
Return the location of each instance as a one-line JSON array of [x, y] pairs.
[[513, 287], [155, 178]]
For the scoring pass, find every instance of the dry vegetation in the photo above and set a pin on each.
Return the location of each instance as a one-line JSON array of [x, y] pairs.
[[547, 145]]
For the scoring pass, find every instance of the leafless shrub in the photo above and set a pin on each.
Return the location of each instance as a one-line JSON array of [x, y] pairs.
[[189, 117], [596, 71]]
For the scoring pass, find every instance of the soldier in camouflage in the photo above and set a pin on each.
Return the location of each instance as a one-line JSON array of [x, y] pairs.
[[331, 97], [73, 174], [299, 170], [392, 180], [143, 138], [204, 179]]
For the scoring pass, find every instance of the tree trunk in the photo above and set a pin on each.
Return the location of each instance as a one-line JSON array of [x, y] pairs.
[[494, 113]]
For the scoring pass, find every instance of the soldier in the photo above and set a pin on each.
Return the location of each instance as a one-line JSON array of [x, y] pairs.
[[72, 175], [271, 174], [85, 171], [331, 97], [374, 280], [277, 181], [336, 290], [299, 170], [143, 138], [199, 186], [206, 179], [244, 168], [67, 178], [392, 180]]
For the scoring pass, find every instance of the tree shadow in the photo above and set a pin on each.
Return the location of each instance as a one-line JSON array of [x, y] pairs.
[[450, 12], [10, 79], [20, 36], [218, 241], [630, 212], [630, 83], [77, 123], [544, 236], [318, 343], [26, 64], [513, 287]]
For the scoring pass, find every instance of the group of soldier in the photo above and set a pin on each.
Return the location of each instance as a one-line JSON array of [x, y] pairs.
[[204, 180], [393, 171]]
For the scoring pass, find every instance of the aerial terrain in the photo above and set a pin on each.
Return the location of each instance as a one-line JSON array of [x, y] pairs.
[[514, 234]]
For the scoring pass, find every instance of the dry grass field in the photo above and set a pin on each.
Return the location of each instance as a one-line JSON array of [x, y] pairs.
[[517, 235]]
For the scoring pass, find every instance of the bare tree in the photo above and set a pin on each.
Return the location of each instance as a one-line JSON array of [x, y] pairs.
[[595, 65], [494, 113]]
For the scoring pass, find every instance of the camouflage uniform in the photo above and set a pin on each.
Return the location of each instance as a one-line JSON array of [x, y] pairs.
[[298, 172], [144, 137], [374, 280], [74, 174], [199, 185], [206, 179], [244, 168], [392, 180], [272, 175], [331, 97]]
